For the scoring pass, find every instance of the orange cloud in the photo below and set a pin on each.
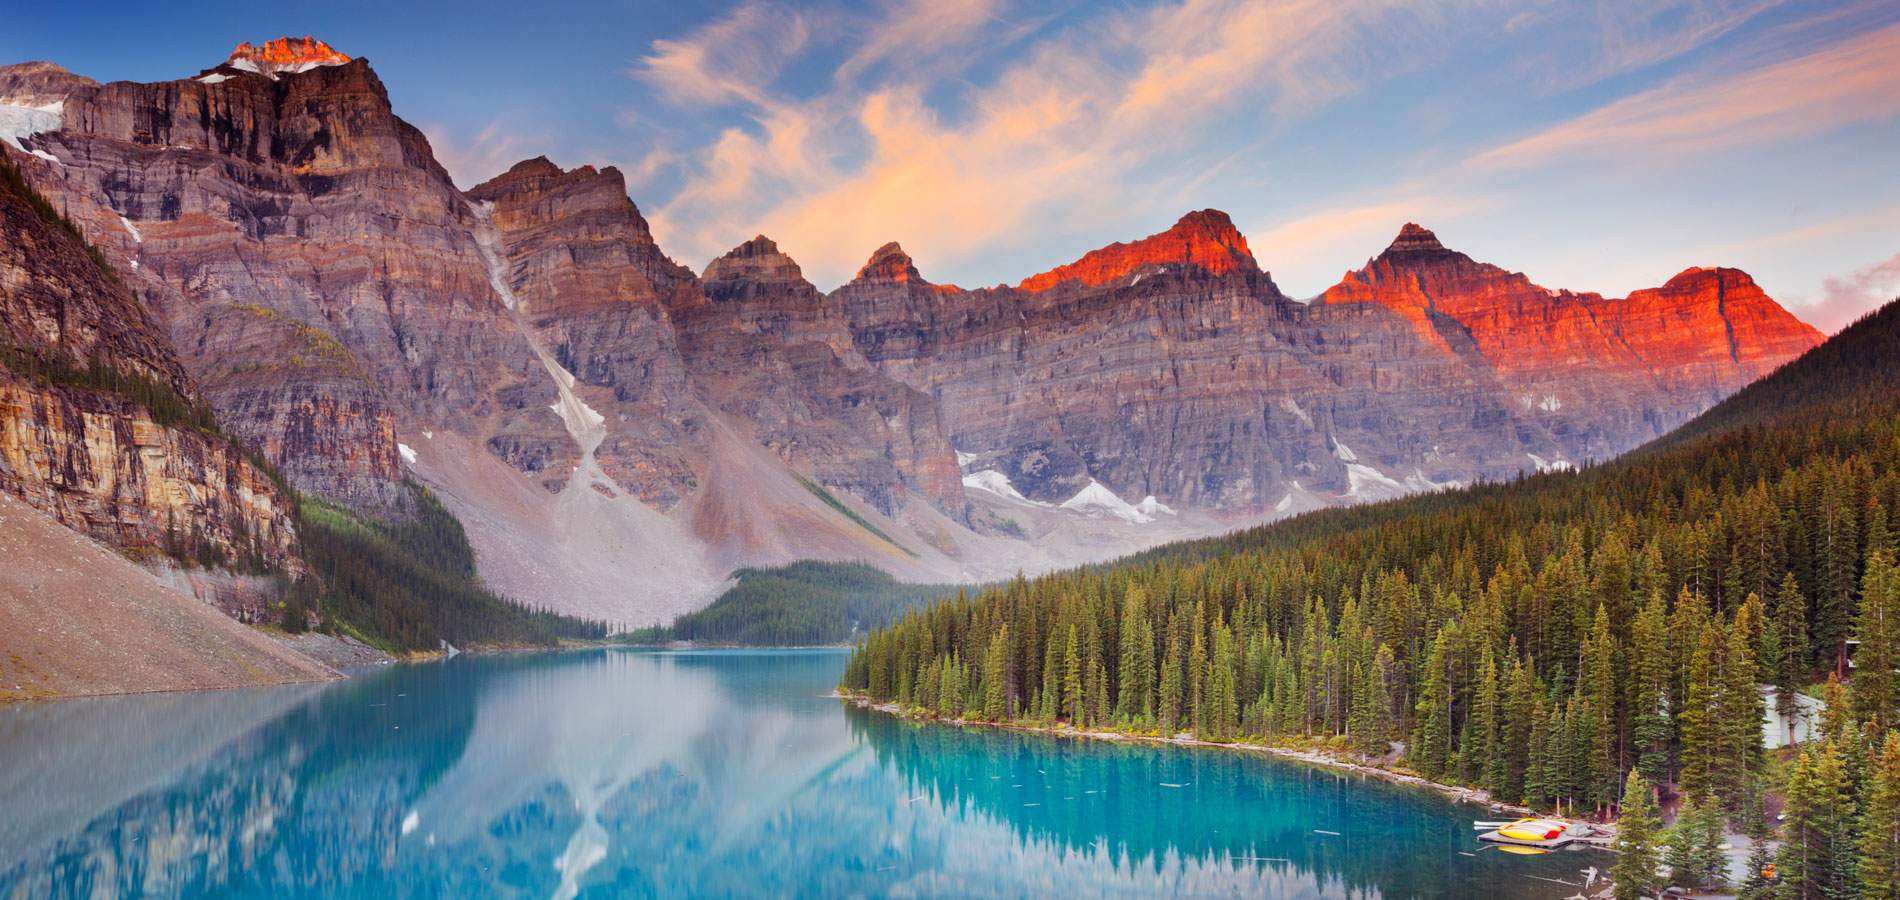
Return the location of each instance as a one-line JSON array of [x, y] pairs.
[[1037, 144]]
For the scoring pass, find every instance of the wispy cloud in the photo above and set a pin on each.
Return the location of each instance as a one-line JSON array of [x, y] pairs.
[[734, 58], [916, 33], [1036, 142], [1854, 81], [1847, 297], [472, 160]]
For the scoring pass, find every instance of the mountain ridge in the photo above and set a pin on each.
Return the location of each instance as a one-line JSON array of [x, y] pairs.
[[702, 421]]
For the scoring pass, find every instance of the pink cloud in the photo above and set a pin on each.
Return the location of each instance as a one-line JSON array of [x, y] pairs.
[[1847, 297]]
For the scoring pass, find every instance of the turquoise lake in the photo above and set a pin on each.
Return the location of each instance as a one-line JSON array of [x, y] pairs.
[[646, 774]]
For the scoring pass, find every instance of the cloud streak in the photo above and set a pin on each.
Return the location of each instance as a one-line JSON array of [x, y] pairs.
[[1855, 81]]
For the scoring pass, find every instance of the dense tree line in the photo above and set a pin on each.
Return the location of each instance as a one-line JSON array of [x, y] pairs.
[[407, 586], [1543, 639], [802, 604]]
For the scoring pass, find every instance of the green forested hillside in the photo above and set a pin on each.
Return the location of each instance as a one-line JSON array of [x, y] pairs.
[[1540, 638], [410, 585], [803, 604]]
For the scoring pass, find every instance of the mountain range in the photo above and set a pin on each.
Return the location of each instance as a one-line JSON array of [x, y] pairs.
[[617, 432]]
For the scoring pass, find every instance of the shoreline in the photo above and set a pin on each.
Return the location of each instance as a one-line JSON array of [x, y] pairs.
[[1454, 793]]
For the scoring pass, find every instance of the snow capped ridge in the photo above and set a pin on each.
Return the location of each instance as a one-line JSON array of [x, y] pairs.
[[283, 56], [1097, 499]]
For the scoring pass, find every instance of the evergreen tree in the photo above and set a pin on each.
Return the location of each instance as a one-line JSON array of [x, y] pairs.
[[1223, 705], [1051, 707], [1693, 847], [1817, 859], [1430, 750], [1478, 744], [1699, 723], [1794, 662], [998, 695], [1173, 670], [1596, 688], [1137, 660], [1635, 873], [1072, 679], [1741, 713], [1372, 732], [1756, 885], [1879, 865], [1520, 701], [1651, 664], [1876, 685]]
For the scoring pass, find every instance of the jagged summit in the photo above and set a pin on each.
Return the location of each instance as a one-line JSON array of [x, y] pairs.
[[536, 168], [1722, 276], [284, 55], [1414, 238], [541, 173], [890, 265], [758, 260], [1205, 238], [286, 52], [760, 245]]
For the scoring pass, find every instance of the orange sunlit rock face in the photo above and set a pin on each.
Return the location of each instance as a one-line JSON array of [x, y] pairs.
[[1570, 356], [1715, 320], [289, 51], [1207, 239]]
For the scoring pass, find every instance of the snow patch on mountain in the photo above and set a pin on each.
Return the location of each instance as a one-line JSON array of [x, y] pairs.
[[1343, 452], [1151, 507], [1367, 484], [1294, 409], [1298, 500], [994, 482], [1420, 483], [408, 453], [132, 230], [1551, 465], [1097, 499], [19, 122]]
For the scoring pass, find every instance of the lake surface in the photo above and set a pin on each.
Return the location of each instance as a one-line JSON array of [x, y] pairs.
[[644, 774]]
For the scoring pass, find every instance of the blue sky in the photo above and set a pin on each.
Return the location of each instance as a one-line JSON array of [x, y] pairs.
[[1594, 146]]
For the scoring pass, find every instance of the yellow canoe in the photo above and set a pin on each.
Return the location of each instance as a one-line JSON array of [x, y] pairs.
[[1533, 830]]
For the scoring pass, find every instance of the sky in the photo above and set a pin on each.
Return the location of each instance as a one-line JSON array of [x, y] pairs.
[[1598, 147]]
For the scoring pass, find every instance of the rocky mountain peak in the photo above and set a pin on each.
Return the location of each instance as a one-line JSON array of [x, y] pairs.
[[285, 54], [1698, 277], [1414, 238], [760, 245], [525, 173], [1206, 239], [890, 265], [756, 260], [31, 83]]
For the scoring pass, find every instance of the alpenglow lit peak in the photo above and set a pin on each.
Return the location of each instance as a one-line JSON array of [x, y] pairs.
[[286, 55]]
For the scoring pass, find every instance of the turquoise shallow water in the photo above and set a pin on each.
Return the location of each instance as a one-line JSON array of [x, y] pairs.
[[631, 773]]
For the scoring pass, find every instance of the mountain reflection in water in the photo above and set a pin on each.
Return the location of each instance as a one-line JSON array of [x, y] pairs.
[[630, 773]]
